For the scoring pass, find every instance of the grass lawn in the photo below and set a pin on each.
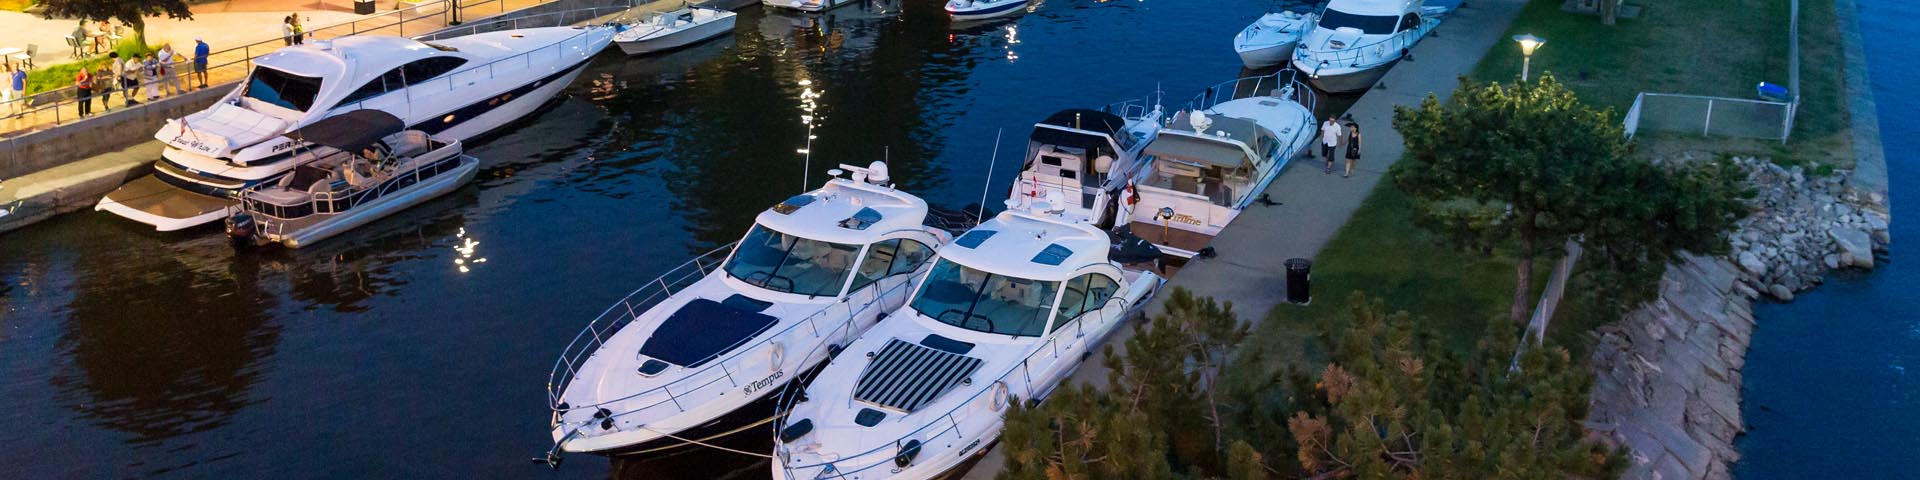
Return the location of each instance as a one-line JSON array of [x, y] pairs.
[[1699, 47], [15, 5], [61, 76]]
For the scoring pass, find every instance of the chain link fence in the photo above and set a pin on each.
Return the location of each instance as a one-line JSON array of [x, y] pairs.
[[1711, 116]]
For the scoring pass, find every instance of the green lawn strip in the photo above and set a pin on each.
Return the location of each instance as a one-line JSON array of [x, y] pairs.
[[15, 5], [1698, 47], [53, 77]]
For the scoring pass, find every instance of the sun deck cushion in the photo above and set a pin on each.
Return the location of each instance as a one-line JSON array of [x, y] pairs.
[[702, 330], [906, 376]]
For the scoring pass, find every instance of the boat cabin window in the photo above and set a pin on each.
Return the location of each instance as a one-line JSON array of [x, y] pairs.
[[426, 69], [1084, 294], [983, 302], [287, 90], [387, 82], [1409, 21], [888, 258], [1369, 24], [785, 263]]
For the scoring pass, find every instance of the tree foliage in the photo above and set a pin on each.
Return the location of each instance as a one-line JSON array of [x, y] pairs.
[[1531, 164], [131, 12]]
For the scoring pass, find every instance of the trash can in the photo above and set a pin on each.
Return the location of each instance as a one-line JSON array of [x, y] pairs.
[[363, 7], [1769, 91], [1299, 273]]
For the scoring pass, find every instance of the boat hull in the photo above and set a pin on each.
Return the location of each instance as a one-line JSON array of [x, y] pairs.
[[1351, 81], [996, 11], [381, 207], [680, 39], [1267, 56]]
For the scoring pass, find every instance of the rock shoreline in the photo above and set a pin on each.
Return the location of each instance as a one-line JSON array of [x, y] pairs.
[[1667, 376]]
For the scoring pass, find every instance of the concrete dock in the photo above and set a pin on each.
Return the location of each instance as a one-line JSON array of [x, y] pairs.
[[1314, 205]]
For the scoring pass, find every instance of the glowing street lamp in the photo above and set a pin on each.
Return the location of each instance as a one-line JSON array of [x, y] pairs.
[[1528, 43]]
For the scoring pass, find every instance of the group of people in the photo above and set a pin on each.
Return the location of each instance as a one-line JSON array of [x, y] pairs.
[[1332, 135], [99, 38], [292, 31], [136, 75]]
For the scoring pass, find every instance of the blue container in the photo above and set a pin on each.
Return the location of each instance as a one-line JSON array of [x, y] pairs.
[[1768, 91]]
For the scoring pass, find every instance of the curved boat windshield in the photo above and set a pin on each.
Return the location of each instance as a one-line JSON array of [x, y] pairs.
[[1371, 24], [786, 263], [287, 90], [985, 302]]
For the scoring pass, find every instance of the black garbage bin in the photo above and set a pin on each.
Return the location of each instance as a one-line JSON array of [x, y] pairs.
[[1299, 273], [363, 7]]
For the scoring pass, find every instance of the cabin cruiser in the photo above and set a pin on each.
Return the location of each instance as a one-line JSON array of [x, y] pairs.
[[1008, 312], [1270, 40], [1080, 160], [1217, 156], [808, 5], [671, 361], [662, 31], [454, 88], [376, 167], [1356, 42], [969, 10]]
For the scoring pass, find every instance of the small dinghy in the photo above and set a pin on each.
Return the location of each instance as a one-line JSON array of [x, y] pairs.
[[1006, 314], [672, 362], [967, 10], [1270, 40], [662, 31], [364, 166]]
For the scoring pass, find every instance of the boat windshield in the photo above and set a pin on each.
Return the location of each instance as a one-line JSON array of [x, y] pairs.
[[985, 302], [281, 88], [786, 263], [1370, 24]]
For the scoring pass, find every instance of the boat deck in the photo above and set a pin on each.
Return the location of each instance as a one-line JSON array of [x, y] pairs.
[[1171, 237]]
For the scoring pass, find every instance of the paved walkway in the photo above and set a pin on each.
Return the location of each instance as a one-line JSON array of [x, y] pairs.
[[1249, 271]]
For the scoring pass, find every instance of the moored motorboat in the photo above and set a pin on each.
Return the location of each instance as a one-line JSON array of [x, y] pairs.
[[968, 10], [663, 31], [375, 168], [1355, 42], [1270, 39], [808, 5], [736, 324], [1217, 156], [1080, 160], [1006, 314], [454, 88]]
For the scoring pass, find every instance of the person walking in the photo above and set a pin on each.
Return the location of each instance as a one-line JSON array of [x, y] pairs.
[[1329, 141], [16, 81], [150, 77], [200, 53], [130, 80], [83, 89], [169, 79], [1353, 147]]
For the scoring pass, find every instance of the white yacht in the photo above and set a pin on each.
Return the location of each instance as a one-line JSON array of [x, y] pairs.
[[662, 31], [809, 5], [454, 88], [970, 10], [377, 168], [1007, 313], [670, 361], [1082, 160], [1217, 156], [1270, 39], [1355, 42]]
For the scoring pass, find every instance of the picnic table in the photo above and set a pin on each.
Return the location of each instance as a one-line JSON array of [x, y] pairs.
[[6, 55]]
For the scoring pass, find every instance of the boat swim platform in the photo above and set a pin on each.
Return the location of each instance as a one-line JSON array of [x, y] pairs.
[[1250, 267]]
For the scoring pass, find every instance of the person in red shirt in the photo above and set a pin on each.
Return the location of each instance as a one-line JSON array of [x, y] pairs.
[[83, 84]]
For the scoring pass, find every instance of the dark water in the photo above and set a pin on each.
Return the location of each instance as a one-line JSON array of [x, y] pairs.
[[1833, 379], [420, 346]]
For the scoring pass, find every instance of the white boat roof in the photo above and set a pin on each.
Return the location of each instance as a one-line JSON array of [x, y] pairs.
[[825, 214], [346, 63], [1026, 245], [1393, 8]]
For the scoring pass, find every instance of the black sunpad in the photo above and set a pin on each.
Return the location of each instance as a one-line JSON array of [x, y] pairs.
[[701, 331]]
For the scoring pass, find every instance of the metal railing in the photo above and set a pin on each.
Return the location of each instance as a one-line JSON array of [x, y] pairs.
[[1384, 49], [597, 332], [58, 106], [1711, 116], [1285, 83], [949, 422]]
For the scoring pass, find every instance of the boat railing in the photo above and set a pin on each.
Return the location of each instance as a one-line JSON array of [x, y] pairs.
[[1131, 108], [947, 423], [1353, 55], [1285, 83], [718, 371]]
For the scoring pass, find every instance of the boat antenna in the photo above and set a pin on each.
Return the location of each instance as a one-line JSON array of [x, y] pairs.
[[987, 186]]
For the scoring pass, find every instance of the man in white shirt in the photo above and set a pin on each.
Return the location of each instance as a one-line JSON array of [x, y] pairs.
[[1329, 139]]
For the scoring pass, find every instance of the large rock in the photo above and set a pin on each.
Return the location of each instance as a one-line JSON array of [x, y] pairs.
[[1752, 264], [1780, 292], [1854, 243]]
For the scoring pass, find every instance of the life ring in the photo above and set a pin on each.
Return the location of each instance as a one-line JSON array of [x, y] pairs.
[[778, 354], [999, 399]]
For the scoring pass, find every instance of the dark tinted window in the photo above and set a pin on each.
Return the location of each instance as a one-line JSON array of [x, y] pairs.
[[282, 88], [389, 81], [1410, 21], [1370, 24], [428, 68]]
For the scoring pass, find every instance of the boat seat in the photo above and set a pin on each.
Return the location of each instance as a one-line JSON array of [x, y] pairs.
[[408, 143], [282, 196]]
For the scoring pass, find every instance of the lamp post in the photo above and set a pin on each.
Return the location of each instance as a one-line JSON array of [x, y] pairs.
[[1528, 43]]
